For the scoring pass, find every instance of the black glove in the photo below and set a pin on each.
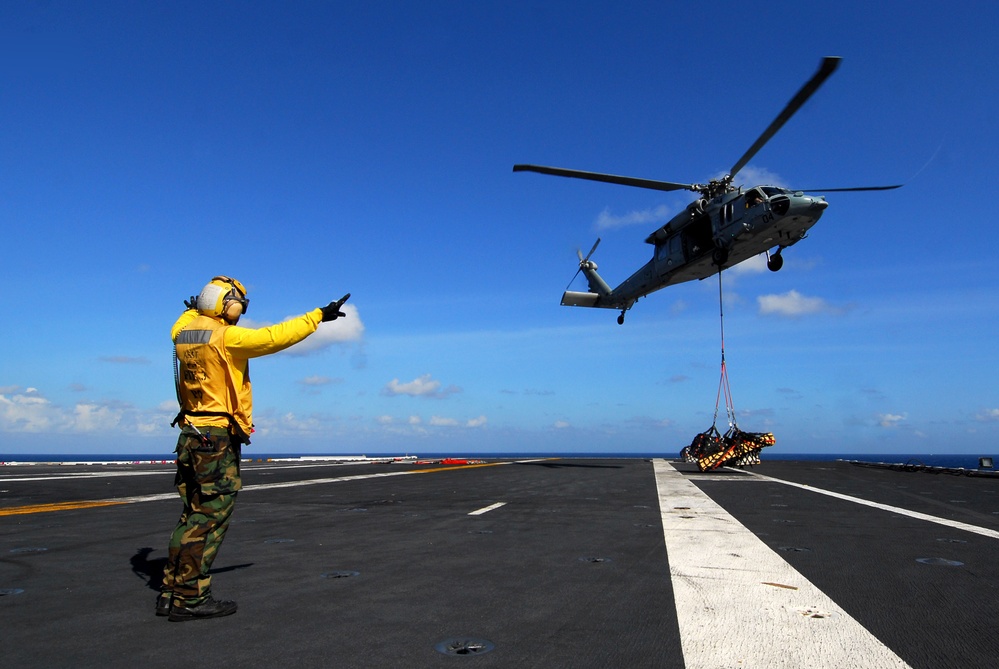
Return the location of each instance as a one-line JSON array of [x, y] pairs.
[[191, 302], [331, 311]]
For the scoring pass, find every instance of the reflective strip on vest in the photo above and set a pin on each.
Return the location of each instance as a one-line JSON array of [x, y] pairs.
[[194, 336]]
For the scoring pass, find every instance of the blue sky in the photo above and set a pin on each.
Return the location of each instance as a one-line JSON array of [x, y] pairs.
[[310, 149]]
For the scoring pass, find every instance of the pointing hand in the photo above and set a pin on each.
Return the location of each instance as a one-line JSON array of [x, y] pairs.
[[331, 311]]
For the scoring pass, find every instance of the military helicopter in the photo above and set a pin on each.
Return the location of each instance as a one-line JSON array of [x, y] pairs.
[[726, 225]]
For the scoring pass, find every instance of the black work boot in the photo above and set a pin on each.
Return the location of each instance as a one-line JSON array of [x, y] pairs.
[[210, 608], [163, 602]]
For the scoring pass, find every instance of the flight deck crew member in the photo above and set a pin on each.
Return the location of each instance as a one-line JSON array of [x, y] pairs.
[[216, 404]]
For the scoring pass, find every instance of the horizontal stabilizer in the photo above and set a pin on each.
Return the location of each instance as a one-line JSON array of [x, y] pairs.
[[572, 298]]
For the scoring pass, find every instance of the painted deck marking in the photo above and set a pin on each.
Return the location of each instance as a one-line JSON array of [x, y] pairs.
[[87, 504], [487, 509], [984, 531], [729, 612], [58, 506]]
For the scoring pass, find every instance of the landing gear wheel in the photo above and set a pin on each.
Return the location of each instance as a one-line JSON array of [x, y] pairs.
[[620, 319], [775, 262], [719, 256]]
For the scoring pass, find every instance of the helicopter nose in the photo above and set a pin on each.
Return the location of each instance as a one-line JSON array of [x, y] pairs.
[[804, 205]]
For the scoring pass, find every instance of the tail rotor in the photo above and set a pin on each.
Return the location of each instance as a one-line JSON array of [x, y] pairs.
[[584, 262]]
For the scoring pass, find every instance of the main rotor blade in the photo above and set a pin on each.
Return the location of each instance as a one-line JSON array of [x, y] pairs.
[[606, 178], [846, 190], [828, 66]]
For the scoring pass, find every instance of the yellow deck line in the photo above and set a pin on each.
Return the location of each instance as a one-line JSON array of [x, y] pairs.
[[90, 504], [59, 506]]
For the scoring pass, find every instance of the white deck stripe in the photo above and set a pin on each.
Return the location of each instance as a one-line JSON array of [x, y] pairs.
[[739, 604], [487, 509], [307, 482], [984, 531]]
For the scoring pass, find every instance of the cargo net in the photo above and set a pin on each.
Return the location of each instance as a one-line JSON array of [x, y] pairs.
[[712, 449]]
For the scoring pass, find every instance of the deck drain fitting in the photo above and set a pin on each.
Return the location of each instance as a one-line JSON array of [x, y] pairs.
[[343, 573], [464, 646], [940, 562]]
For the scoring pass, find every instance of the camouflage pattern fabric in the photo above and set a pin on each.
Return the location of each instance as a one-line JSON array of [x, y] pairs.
[[207, 480]]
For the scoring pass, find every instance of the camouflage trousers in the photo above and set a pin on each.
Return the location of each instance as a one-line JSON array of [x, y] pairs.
[[207, 480]]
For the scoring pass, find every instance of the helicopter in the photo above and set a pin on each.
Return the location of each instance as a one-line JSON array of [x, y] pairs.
[[726, 225]]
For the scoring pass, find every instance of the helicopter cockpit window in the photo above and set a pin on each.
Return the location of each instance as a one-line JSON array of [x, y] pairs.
[[753, 198], [770, 191]]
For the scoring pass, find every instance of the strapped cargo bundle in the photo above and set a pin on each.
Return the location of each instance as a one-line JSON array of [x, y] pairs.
[[736, 448]]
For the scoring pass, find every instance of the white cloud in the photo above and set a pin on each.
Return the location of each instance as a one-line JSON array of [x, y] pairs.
[[344, 330], [608, 221], [890, 419], [438, 421], [988, 415], [758, 176], [476, 422], [28, 412], [341, 331], [423, 386], [793, 304], [561, 425], [755, 265], [93, 417]]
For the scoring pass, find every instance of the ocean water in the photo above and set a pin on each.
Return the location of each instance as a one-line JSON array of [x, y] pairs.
[[951, 460]]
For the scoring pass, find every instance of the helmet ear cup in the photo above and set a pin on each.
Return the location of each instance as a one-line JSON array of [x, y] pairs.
[[233, 310]]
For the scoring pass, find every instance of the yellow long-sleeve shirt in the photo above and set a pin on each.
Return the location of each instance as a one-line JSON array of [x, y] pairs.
[[214, 363]]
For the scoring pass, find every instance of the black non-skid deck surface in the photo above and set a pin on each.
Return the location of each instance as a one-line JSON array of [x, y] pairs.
[[392, 571]]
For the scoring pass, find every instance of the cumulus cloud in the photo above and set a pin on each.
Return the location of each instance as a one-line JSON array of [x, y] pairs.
[[755, 265], [423, 386], [347, 330], [341, 331], [758, 176], [988, 415], [608, 221], [438, 421], [890, 419], [561, 424], [89, 417], [793, 304], [27, 411]]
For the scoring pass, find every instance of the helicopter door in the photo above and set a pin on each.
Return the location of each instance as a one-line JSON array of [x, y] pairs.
[[669, 255], [696, 238]]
